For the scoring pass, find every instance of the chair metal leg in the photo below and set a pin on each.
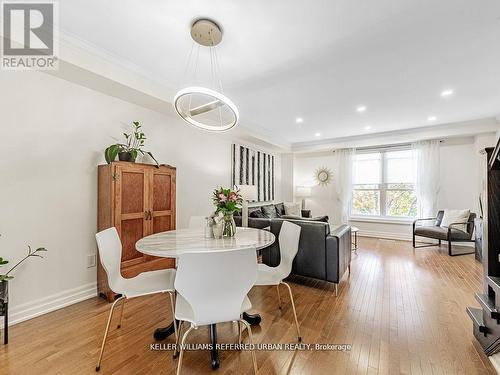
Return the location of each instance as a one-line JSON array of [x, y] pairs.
[[181, 354], [279, 297], [239, 332], [336, 289], [179, 331], [98, 366], [121, 313], [250, 340], [172, 306], [294, 311]]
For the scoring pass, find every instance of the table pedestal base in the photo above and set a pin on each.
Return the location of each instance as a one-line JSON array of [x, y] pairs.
[[161, 334]]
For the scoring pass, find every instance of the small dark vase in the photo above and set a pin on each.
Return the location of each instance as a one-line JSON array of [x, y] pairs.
[[4, 311], [4, 290], [126, 156]]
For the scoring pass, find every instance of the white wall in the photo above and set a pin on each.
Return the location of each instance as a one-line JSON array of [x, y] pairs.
[[54, 133], [460, 181], [323, 200], [287, 177]]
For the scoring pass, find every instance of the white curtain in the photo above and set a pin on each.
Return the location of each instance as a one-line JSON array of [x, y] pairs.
[[427, 182], [343, 160]]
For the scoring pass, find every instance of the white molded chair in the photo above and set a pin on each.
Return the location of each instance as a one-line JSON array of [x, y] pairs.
[[197, 222], [110, 251], [212, 288], [289, 245]]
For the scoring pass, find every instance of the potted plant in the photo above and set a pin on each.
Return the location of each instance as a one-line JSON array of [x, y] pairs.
[[4, 282], [227, 202], [6, 277], [129, 150]]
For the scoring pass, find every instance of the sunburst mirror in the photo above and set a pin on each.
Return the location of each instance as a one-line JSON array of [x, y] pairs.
[[323, 176]]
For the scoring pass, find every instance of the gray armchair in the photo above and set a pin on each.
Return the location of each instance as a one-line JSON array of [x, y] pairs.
[[450, 234]]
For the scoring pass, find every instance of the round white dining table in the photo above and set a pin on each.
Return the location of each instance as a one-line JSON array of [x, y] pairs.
[[174, 243]]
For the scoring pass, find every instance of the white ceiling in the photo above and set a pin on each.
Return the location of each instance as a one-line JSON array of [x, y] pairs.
[[316, 59]]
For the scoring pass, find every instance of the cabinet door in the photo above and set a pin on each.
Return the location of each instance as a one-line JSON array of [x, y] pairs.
[[162, 199], [131, 202]]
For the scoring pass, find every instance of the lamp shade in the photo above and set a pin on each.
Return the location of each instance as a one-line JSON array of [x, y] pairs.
[[303, 191], [248, 192]]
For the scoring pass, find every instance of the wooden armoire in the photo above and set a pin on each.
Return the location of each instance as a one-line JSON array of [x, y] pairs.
[[139, 200]]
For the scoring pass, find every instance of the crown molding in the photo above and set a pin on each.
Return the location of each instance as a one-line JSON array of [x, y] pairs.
[[450, 130]]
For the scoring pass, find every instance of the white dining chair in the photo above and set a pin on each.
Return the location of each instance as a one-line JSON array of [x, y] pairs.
[[268, 276], [162, 281], [212, 288], [196, 222]]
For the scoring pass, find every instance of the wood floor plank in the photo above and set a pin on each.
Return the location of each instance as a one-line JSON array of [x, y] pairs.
[[401, 309]]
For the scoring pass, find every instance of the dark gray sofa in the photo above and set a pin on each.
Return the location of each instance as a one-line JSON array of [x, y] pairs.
[[322, 255]]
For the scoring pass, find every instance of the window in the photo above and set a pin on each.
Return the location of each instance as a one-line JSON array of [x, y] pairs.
[[383, 184]]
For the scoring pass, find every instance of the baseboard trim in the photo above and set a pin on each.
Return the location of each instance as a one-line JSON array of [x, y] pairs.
[[403, 237], [50, 303]]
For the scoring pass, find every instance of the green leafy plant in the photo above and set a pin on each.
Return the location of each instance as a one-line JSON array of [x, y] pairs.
[[31, 253], [134, 142]]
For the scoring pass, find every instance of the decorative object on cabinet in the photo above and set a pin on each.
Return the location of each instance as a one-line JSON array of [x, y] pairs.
[[129, 150], [138, 200], [252, 167], [323, 176]]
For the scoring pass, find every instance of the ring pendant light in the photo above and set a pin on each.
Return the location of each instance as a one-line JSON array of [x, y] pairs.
[[203, 107]]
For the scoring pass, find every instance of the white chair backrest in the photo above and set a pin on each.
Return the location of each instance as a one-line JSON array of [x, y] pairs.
[[197, 222], [216, 283], [110, 253], [289, 245]]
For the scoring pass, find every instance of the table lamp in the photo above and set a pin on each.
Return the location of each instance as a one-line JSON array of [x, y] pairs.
[[303, 192], [248, 194]]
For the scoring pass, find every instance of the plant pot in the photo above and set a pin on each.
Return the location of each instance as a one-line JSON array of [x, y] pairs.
[[4, 291], [126, 156]]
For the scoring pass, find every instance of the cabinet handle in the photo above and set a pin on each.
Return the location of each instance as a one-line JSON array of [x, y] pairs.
[[146, 215], [150, 215]]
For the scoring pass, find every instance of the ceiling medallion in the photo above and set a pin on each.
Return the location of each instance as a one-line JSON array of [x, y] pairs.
[[203, 107], [323, 176]]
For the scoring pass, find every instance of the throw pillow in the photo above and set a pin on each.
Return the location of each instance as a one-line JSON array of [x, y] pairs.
[[280, 209], [256, 213], [269, 211], [455, 216], [292, 209]]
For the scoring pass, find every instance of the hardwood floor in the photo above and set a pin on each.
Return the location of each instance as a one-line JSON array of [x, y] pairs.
[[401, 310]]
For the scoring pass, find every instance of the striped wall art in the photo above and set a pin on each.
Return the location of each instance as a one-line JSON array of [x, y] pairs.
[[251, 167]]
